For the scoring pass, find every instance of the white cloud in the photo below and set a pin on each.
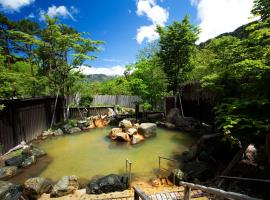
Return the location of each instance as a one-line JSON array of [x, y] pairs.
[[156, 14], [114, 70], [147, 32], [60, 11], [217, 17], [14, 5]]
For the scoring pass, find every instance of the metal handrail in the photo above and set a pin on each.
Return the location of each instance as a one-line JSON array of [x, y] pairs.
[[214, 191], [128, 170], [160, 168]]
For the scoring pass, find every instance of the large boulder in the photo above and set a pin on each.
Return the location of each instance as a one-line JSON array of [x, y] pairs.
[[9, 191], [136, 139], [34, 187], [132, 131], [66, 185], [114, 132], [191, 153], [15, 161], [107, 184], [100, 122], [121, 137], [147, 129], [188, 124], [173, 115], [8, 172], [176, 176], [126, 124]]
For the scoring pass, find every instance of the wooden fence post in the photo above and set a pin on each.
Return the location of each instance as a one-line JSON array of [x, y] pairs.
[[187, 193]]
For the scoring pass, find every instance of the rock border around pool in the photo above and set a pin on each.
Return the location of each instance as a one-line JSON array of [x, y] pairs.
[[34, 188]]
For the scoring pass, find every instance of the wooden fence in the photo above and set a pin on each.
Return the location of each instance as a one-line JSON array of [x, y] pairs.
[[24, 120], [82, 112], [122, 100]]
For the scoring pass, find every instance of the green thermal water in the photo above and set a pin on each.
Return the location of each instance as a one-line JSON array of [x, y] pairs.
[[92, 153]]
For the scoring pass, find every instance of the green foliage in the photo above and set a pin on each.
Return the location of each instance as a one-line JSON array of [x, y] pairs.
[[71, 122], [37, 62], [86, 101], [261, 8], [243, 119], [177, 46], [238, 72]]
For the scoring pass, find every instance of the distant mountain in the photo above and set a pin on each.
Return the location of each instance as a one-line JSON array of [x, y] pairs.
[[98, 78], [240, 33]]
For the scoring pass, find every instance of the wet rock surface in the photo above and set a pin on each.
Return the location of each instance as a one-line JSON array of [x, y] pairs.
[[8, 172], [15, 161], [107, 184], [176, 176], [66, 185], [34, 187], [9, 191]]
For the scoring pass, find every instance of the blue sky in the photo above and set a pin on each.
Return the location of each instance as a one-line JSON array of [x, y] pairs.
[[127, 25]]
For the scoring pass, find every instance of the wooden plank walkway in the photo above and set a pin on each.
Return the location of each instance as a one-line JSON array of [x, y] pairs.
[[177, 194]]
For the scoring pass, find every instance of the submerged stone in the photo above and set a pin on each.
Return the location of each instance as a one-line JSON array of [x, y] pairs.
[[107, 184]]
